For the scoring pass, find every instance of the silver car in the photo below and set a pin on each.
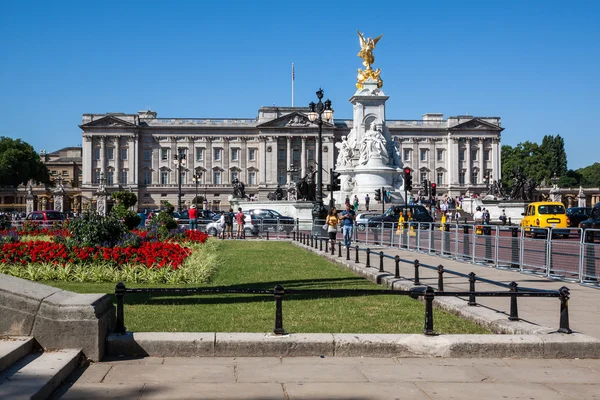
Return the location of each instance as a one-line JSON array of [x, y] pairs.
[[363, 218]]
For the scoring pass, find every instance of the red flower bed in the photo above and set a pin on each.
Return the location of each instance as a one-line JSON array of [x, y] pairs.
[[157, 254]]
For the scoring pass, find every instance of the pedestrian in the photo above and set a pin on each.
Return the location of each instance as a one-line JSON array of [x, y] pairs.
[[193, 215], [332, 222], [240, 219], [367, 201], [347, 200], [222, 224], [348, 218], [229, 223], [355, 203], [503, 217]]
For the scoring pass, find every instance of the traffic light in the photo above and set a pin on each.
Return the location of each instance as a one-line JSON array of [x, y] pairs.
[[425, 188], [407, 179], [433, 188], [377, 194], [336, 182]]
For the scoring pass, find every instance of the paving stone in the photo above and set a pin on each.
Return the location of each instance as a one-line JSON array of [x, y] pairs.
[[577, 391], [433, 373], [339, 360], [170, 373], [488, 391], [95, 373], [531, 374], [101, 391], [354, 391], [308, 372], [229, 391]]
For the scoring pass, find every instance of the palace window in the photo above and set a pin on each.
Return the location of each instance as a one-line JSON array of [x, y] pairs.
[[65, 173], [110, 177], [217, 177], [440, 178], [147, 154], [282, 177], [217, 154], [147, 177], [235, 154], [281, 155], [164, 154], [164, 177], [440, 155], [423, 155], [406, 155], [474, 176], [423, 176], [311, 154], [110, 153], [252, 178], [124, 153], [474, 155], [296, 155], [486, 155], [96, 153], [234, 175], [97, 176], [252, 154], [461, 155], [461, 177], [124, 176], [199, 154]]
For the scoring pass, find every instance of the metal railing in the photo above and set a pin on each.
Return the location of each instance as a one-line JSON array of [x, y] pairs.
[[428, 294]]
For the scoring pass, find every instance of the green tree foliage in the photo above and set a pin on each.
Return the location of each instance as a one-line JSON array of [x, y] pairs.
[[590, 175], [570, 179], [554, 155], [19, 163], [94, 230], [125, 198]]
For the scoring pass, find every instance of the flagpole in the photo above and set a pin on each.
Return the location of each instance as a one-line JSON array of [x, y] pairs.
[[293, 78]]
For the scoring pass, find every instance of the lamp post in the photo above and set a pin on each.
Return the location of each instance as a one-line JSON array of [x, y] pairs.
[[316, 114], [197, 179], [179, 161]]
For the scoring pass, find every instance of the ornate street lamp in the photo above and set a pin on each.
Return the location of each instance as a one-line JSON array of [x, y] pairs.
[[179, 161], [316, 114], [197, 179]]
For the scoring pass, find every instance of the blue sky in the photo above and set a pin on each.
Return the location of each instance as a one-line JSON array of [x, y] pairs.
[[533, 63]]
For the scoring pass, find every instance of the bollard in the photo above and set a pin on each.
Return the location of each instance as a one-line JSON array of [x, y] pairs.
[[340, 249], [397, 272], [294, 236], [440, 278], [278, 292], [564, 310], [472, 301], [357, 249], [417, 282], [312, 241], [347, 253], [332, 248], [321, 244], [509, 221], [326, 245], [514, 312], [381, 261], [514, 248], [429, 296], [368, 258], [120, 295], [267, 234]]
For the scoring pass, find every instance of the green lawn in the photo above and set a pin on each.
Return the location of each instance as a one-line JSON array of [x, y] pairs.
[[263, 265]]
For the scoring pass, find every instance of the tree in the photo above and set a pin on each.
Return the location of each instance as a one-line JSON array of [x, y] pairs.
[[125, 198], [19, 163], [554, 155], [590, 175]]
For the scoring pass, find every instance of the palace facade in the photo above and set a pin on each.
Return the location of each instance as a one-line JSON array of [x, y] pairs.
[[137, 152]]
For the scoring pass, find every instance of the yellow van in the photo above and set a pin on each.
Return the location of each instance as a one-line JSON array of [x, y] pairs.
[[545, 214]]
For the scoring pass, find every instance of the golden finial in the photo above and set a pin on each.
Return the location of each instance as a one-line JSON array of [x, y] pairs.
[[366, 53]]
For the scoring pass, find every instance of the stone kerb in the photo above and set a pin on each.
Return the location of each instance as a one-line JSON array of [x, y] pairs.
[[56, 318]]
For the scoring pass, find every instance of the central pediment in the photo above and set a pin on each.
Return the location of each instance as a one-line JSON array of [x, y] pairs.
[[476, 124], [292, 120], [109, 121]]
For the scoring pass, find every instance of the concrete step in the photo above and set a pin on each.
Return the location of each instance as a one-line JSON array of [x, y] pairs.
[[13, 349], [36, 376]]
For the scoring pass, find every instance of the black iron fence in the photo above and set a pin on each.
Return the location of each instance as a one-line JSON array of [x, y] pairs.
[[279, 292]]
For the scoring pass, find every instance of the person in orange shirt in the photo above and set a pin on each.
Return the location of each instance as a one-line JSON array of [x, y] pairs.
[[193, 215]]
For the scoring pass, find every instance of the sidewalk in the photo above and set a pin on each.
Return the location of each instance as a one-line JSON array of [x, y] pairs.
[[584, 304], [337, 378]]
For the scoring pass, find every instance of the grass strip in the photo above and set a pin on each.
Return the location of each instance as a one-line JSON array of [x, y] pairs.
[[261, 264]]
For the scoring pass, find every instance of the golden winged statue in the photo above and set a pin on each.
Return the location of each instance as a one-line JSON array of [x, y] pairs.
[[366, 53]]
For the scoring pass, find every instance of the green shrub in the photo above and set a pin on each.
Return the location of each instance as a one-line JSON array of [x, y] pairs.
[[129, 218], [5, 223], [94, 230]]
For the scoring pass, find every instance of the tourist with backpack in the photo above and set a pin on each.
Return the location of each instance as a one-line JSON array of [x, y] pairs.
[[240, 219], [229, 216]]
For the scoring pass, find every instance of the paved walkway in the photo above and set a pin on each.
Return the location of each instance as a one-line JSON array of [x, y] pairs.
[[337, 378]]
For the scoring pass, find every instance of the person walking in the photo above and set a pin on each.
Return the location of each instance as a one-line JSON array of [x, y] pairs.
[[229, 223], [193, 215], [367, 201], [348, 218], [355, 203], [332, 222]]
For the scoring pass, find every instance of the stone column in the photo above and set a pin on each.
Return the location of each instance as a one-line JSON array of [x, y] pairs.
[[495, 157], [87, 160], [208, 162], [117, 155], [288, 153], [262, 165], [482, 165], [103, 155], [468, 162], [303, 156], [451, 162], [225, 157], [134, 163]]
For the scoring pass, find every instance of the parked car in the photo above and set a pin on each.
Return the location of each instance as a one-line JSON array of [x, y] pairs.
[[205, 217], [45, 217], [541, 215], [362, 219], [262, 220], [578, 214], [391, 216], [593, 222]]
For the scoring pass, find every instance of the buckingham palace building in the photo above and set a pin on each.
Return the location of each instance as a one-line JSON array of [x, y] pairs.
[[141, 152]]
